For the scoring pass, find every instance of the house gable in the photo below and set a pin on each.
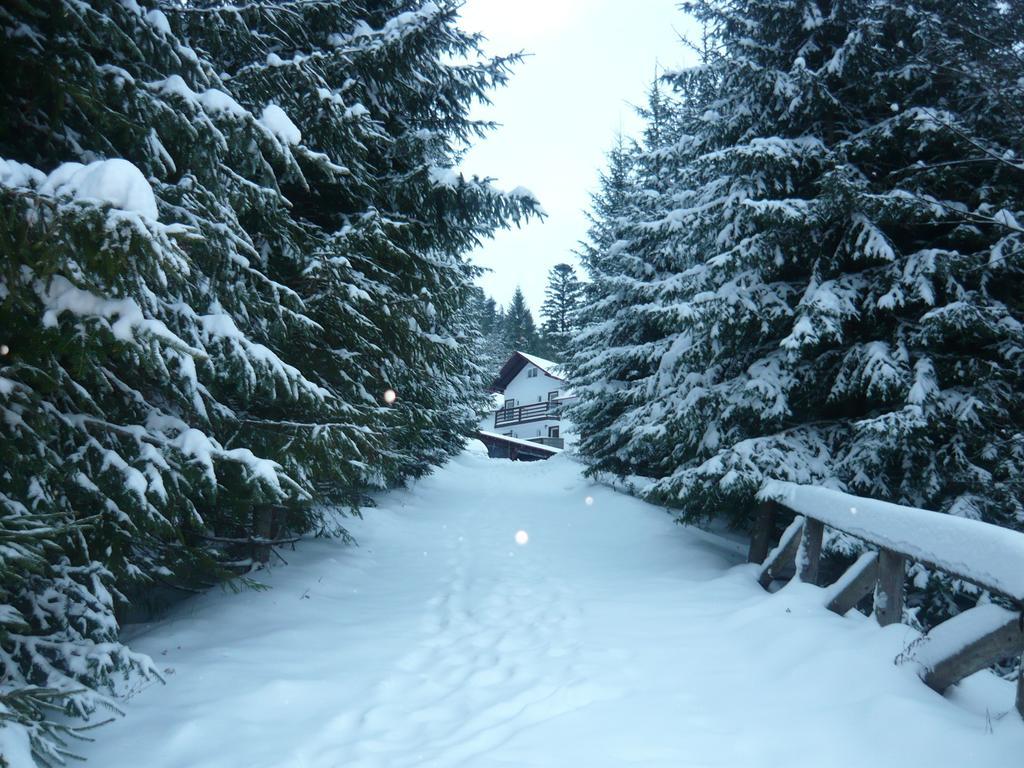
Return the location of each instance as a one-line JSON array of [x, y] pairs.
[[520, 362], [533, 391]]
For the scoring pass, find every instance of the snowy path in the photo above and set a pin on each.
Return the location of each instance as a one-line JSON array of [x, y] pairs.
[[611, 638]]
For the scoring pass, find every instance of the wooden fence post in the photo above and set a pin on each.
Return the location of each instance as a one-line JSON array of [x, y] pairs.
[[984, 635], [892, 568], [809, 556], [783, 556], [761, 535], [854, 585]]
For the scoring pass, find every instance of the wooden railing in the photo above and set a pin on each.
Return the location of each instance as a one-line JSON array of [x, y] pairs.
[[985, 555], [524, 413]]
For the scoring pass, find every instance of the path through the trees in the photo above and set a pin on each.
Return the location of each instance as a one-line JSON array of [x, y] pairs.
[[603, 635]]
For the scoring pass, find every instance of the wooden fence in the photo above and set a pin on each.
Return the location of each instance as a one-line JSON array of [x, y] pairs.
[[988, 556]]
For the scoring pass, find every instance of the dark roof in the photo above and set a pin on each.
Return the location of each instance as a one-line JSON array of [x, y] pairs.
[[517, 362]]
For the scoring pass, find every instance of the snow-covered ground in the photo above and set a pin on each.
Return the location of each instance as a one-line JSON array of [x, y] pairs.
[[612, 637]]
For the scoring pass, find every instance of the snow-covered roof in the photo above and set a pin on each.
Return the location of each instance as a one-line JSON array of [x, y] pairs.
[[520, 441], [549, 367], [518, 361]]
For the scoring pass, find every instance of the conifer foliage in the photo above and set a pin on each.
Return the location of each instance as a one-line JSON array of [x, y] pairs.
[[825, 262], [504, 331], [226, 231], [561, 301], [520, 330], [608, 352], [489, 319]]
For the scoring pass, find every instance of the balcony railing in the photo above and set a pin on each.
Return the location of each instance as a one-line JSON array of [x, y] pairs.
[[526, 413]]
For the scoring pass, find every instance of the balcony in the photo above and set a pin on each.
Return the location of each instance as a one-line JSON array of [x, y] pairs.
[[524, 414]]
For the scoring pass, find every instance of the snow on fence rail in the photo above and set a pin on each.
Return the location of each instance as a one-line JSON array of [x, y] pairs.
[[983, 554]]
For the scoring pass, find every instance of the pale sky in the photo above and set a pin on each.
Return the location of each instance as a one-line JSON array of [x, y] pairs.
[[591, 60]]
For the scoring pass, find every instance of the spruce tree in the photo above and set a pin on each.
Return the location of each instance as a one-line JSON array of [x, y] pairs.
[[228, 231], [561, 301], [520, 330], [488, 313], [489, 318], [610, 204], [496, 342], [834, 289], [607, 353], [389, 226], [136, 323]]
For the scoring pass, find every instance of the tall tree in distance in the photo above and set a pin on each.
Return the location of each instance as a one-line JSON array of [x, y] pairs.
[[490, 321], [561, 301], [520, 328]]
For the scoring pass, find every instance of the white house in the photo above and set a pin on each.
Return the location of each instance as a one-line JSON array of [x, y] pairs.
[[529, 400]]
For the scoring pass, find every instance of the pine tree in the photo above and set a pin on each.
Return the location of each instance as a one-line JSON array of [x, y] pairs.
[[561, 301], [488, 313], [608, 352], [136, 324], [520, 329], [497, 343], [228, 231], [834, 286], [611, 203], [390, 228], [490, 319]]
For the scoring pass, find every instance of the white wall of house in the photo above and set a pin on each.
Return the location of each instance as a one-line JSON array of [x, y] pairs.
[[526, 389], [526, 431]]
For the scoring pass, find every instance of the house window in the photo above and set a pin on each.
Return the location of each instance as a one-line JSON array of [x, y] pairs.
[[510, 404], [553, 395], [552, 431], [532, 373]]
